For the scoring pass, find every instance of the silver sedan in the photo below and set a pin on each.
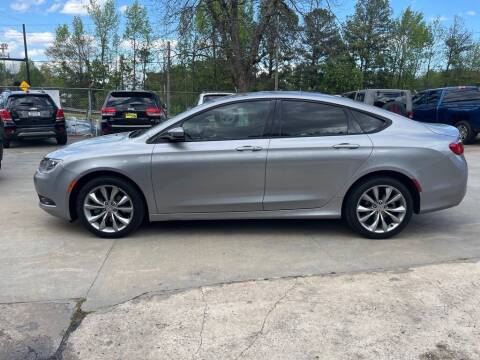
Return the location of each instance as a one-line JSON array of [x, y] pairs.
[[256, 156]]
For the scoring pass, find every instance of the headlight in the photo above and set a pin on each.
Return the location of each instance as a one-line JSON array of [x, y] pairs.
[[47, 165]]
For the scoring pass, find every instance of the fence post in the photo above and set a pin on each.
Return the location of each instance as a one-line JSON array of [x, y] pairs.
[[89, 112]]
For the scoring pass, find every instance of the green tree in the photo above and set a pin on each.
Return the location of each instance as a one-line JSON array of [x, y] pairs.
[[409, 44], [367, 33], [136, 29], [105, 18]]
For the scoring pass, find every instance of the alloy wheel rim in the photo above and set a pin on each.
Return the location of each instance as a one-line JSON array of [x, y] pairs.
[[108, 208], [381, 209], [462, 129]]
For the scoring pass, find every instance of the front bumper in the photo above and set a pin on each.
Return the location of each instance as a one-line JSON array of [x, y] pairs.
[[53, 186]]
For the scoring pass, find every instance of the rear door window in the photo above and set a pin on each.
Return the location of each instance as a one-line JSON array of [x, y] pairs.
[[419, 99], [360, 97], [462, 95], [131, 100], [433, 97], [303, 119]]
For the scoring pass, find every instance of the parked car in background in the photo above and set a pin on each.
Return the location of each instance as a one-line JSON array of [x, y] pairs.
[[457, 106], [260, 155], [1, 142], [394, 100], [31, 114], [131, 110], [210, 96]]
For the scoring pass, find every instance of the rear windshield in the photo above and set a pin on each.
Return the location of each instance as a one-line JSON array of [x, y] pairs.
[[135, 100], [462, 95], [389, 96], [37, 101]]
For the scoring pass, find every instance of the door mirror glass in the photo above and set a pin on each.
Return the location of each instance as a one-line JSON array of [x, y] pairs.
[[175, 134]]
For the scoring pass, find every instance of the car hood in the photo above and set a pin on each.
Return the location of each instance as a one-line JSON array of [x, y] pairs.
[[99, 145], [442, 129]]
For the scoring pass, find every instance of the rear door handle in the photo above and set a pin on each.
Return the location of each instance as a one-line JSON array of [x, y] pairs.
[[346, 146], [249, 148]]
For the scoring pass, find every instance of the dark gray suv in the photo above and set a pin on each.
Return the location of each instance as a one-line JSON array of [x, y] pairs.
[[31, 114]]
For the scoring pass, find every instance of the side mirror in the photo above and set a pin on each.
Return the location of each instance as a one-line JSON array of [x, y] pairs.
[[175, 134]]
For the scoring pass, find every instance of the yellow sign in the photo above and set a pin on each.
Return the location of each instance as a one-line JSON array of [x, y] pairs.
[[24, 86]]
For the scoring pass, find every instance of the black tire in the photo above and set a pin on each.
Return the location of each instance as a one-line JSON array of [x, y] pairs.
[[353, 199], [62, 139], [6, 143], [396, 107], [467, 134], [125, 186]]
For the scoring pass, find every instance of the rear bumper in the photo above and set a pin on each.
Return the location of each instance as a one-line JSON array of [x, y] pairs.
[[449, 192], [29, 132], [113, 125]]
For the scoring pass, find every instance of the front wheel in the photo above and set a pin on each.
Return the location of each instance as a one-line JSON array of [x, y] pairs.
[[110, 207], [379, 208]]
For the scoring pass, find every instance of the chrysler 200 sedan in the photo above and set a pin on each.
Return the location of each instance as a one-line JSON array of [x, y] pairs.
[[255, 156]]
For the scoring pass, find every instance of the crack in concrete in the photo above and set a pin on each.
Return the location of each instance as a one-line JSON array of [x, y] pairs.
[[262, 328], [101, 267], [202, 328], [75, 321], [393, 270]]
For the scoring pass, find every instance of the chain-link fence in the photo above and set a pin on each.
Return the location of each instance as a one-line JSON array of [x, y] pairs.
[[82, 105]]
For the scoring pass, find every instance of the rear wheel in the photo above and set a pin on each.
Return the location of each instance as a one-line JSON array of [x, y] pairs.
[[110, 207], [379, 208], [62, 139], [467, 134]]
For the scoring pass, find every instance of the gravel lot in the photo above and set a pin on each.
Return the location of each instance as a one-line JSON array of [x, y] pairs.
[[49, 263]]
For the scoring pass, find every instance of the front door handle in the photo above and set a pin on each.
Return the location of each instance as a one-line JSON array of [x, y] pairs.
[[346, 146], [249, 148]]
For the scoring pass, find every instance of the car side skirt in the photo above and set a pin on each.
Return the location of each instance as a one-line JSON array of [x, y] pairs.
[[333, 210]]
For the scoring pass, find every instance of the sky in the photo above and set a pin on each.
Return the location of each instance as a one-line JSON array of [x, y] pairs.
[[41, 17]]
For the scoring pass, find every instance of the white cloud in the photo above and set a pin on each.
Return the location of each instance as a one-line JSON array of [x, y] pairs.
[[36, 53], [54, 7], [37, 42], [24, 5], [471, 13], [123, 8], [32, 37], [75, 7]]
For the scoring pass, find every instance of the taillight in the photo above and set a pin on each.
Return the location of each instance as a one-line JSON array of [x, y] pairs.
[[108, 111], [153, 111], [60, 115], [410, 114], [5, 114], [457, 148]]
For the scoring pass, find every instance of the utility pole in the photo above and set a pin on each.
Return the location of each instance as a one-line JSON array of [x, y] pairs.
[[168, 75], [27, 65], [276, 51], [24, 59]]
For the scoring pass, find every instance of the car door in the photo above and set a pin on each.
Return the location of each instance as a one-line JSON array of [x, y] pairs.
[[425, 106], [313, 155], [220, 167]]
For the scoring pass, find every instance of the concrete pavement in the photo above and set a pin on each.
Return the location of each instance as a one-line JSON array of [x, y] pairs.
[[45, 260], [428, 313]]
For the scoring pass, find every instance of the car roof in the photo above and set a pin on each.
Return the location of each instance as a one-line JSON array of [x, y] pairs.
[[217, 93], [451, 88], [294, 95], [133, 91], [30, 92]]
